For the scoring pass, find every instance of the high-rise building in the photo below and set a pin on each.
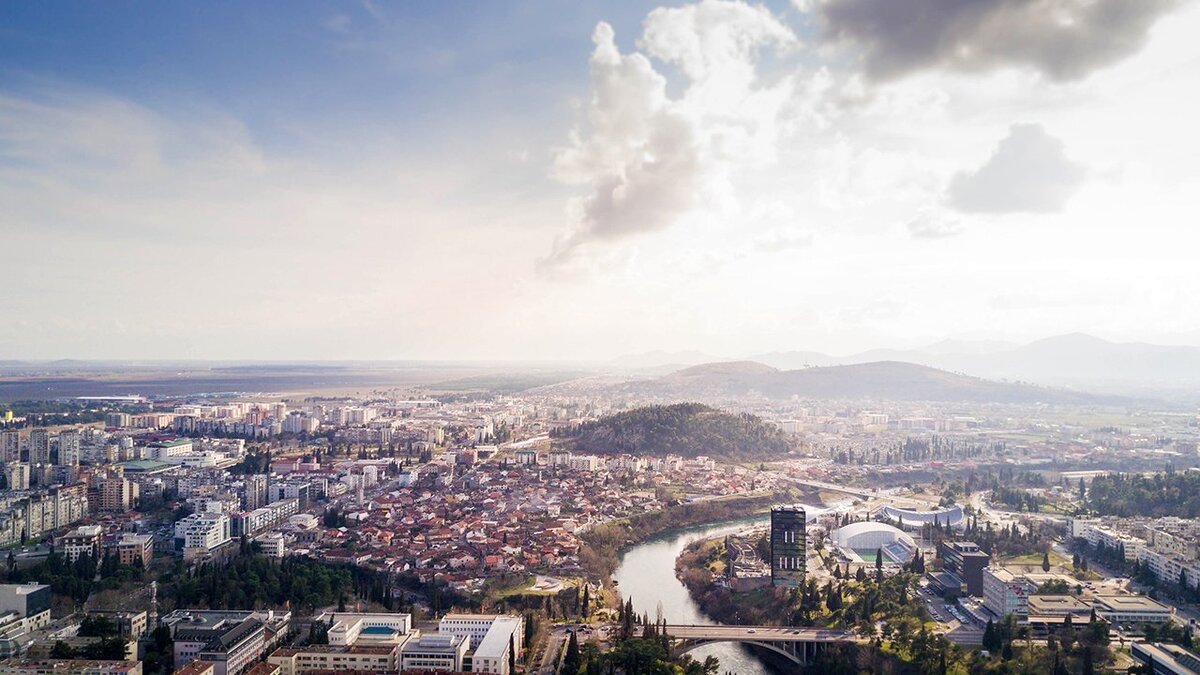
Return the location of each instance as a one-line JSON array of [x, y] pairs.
[[17, 475], [39, 446], [10, 446], [966, 561], [256, 491], [788, 545], [68, 448], [118, 494]]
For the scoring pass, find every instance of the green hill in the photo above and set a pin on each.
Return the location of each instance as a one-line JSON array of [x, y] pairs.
[[686, 429]]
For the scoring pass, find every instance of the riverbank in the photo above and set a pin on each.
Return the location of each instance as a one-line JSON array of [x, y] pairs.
[[697, 568], [600, 554]]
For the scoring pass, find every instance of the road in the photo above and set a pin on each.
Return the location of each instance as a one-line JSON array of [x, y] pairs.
[[766, 633]]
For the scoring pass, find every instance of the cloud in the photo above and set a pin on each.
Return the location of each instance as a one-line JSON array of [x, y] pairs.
[[647, 158], [779, 240], [1028, 172], [933, 225], [1063, 39]]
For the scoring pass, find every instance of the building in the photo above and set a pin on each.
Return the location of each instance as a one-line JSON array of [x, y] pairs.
[[964, 560], [1123, 609], [911, 519], [499, 647], [39, 446], [788, 545], [195, 668], [864, 539], [68, 667], [31, 602], [17, 475], [134, 547], [129, 624], [273, 544], [162, 451], [438, 652], [255, 492], [1005, 593], [69, 448], [10, 446], [87, 540], [118, 494], [350, 628], [340, 658], [1168, 659], [1056, 605], [230, 640], [200, 533]]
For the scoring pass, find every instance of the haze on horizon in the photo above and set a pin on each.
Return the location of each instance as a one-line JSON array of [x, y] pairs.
[[584, 180]]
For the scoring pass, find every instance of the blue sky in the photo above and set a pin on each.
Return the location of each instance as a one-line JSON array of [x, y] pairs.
[[585, 179]]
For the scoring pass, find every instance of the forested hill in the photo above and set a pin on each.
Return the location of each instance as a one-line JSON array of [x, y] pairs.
[[1160, 494], [687, 429]]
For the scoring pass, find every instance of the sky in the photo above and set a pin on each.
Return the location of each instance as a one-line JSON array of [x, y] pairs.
[[581, 180]]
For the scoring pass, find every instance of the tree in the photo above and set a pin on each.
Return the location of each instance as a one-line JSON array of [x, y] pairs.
[[1046, 561], [572, 660], [587, 601], [990, 639], [879, 565], [61, 650]]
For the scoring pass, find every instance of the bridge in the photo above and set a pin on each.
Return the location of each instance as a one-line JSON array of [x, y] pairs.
[[799, 645]]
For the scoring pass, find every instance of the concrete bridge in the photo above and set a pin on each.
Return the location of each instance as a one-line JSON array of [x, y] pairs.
[[799, 645]]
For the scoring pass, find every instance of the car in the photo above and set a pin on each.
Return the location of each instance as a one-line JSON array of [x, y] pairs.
[[751, 631]]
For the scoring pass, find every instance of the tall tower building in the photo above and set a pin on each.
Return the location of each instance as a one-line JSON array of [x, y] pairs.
[[788, 545], [10, 446], [39, 446], [68, 448]]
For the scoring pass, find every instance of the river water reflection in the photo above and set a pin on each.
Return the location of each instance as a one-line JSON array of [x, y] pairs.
[[647, 575]]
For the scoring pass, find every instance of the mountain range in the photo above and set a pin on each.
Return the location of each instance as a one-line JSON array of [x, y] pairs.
[[1073, 360], [880, 380]]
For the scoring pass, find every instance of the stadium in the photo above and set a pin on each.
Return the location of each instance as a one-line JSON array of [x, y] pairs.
[[910, 519], [860, 542]]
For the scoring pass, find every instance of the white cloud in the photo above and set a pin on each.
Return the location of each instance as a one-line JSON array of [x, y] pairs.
[[647, 158], [1028, 172]]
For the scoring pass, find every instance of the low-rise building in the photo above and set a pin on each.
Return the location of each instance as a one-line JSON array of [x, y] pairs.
[[68, 667], [1122, 609], [134, 547], [340, 658], [438, 652], [86, 540]]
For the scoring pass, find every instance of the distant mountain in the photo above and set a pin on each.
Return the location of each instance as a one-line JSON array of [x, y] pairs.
[[882, 380], [686, 429], [660, 359], [1076, 360], [1085, 359]]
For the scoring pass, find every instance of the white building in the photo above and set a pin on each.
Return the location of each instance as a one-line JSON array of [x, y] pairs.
[[201, 532], [1005, 593]]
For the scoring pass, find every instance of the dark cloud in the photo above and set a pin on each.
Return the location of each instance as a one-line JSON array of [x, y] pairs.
[[1064, 39], [1028, 172]]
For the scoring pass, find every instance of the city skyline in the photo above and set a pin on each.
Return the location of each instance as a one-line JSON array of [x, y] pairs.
[[538, 181]]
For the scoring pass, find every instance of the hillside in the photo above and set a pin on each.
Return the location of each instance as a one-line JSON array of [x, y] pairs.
[[883, 380], [687, 429]]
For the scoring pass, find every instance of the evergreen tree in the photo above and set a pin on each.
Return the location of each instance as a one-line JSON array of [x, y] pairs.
[[1046, 561], [572, 660]]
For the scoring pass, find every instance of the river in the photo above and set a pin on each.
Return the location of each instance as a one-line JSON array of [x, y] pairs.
[[647, 575]]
